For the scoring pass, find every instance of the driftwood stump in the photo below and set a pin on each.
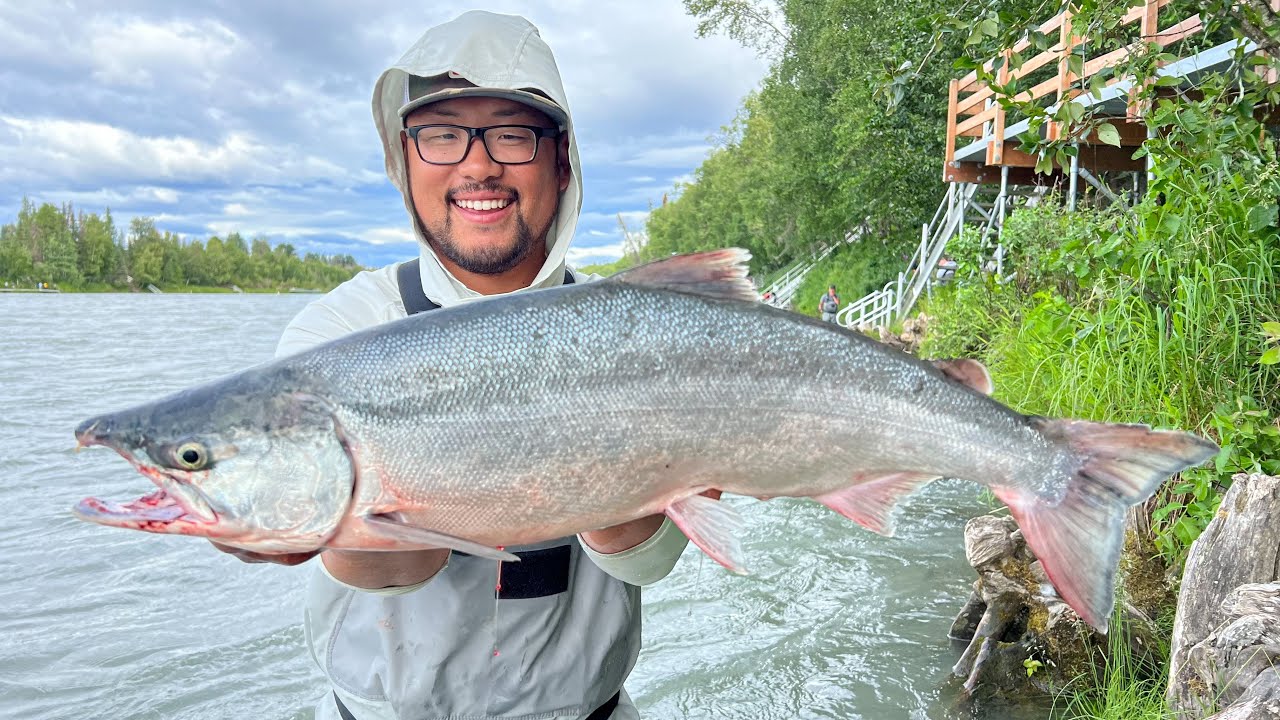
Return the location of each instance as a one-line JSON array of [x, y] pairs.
[[913, 332], [1014, 622], [1226, 638]]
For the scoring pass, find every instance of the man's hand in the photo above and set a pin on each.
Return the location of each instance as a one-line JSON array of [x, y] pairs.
[[371, 570], [377, 570], [616, 539], [256, 557]]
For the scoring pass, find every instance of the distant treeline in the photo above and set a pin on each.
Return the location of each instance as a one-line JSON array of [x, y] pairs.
[[74, 250]]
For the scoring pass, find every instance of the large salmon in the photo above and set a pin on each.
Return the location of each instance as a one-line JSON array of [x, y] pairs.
[[541, 414]]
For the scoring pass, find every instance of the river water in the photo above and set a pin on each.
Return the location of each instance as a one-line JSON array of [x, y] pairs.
[[834, 622]]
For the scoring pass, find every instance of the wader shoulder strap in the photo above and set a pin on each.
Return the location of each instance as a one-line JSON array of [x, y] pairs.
[[416, 301]]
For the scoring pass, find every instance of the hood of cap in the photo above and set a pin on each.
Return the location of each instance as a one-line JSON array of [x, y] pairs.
[[489, 50]]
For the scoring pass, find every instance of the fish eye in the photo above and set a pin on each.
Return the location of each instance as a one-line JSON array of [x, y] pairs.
[[191, 455]]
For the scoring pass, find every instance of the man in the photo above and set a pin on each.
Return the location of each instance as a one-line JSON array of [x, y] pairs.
[[478, 137], [829, 304]]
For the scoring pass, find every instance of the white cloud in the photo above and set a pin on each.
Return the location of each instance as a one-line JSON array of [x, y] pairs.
[[131, 51], [387, 235], [99, 200], [593, 255], [635, 219], [235, 209], [670, 157], [165, 195], [80, 150]]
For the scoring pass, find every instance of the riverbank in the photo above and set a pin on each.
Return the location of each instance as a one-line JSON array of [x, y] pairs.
[[171, 290]]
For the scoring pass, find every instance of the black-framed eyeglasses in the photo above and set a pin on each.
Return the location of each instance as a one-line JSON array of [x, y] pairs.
[[506, 144]]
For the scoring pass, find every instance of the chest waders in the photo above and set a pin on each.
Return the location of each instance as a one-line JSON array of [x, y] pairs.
[[540, 572]]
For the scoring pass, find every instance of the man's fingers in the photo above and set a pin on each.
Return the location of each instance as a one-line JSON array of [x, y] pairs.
[[249, 556]]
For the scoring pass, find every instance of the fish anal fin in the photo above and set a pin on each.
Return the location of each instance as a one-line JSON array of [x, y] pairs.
[[712, 273], [871, 499], [712, 525], [1077, 536], [383, 532]]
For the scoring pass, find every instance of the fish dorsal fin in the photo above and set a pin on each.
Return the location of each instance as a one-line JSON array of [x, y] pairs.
[[712, 273]]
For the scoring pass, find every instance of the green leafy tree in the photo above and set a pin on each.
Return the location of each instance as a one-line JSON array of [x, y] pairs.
[[58, 244], [814, 154], [15, 261], [98, 252], [58, 248], [219, 261]]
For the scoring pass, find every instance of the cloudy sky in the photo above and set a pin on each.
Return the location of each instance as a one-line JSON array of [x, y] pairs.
[[213, 117]]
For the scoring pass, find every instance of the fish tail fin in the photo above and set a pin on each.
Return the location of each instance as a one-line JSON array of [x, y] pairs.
[[1079, 538]]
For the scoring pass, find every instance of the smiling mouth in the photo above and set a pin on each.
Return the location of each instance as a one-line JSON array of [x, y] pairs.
[[483, 205]]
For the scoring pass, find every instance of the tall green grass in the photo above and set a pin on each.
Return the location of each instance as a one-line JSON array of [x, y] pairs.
[[1122, 686]]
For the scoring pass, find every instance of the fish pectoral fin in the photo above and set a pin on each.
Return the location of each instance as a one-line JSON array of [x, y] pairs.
[[871, 499], [393, 529], [712, 525]]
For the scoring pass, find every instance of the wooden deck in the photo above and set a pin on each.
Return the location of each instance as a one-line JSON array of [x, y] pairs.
[[972, 111]]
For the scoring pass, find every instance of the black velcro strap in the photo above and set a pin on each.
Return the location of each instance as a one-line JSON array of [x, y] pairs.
[[416, 301], [540, 573], [344, 712], [604, 711]]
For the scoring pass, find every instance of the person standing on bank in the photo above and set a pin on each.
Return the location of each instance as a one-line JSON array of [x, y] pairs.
[[478, 138], [829, 304]]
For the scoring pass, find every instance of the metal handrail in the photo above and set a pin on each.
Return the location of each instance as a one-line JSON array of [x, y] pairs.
[[875, 309], [783, 288]]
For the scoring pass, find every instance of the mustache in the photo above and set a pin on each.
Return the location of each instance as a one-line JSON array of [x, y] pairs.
[[482, 188]]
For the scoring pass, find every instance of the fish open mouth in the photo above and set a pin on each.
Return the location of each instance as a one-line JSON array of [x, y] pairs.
[[161, 511], [152, 512], [176, 507]]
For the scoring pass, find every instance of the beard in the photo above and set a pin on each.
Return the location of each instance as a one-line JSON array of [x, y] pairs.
[[489, 260]]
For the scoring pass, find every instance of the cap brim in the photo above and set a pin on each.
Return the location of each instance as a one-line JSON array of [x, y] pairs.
[[537, 102]]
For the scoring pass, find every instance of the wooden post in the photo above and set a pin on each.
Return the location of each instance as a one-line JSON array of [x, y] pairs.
[[1149, 27], [1271, 74], [1067, 40], [953, 101], [995, 148]]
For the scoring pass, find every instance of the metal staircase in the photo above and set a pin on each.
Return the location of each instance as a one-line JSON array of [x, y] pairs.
[[898, 297]]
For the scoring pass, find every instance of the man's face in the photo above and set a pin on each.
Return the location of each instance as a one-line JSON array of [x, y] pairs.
[[485, 217]]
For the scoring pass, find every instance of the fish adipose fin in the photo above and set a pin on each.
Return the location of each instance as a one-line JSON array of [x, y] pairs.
[[1078, 539], [871, 500], [713, 526], [392, 529], [713, 273]]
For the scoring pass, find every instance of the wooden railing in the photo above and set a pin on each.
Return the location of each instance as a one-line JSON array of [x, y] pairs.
[[972, 110]]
